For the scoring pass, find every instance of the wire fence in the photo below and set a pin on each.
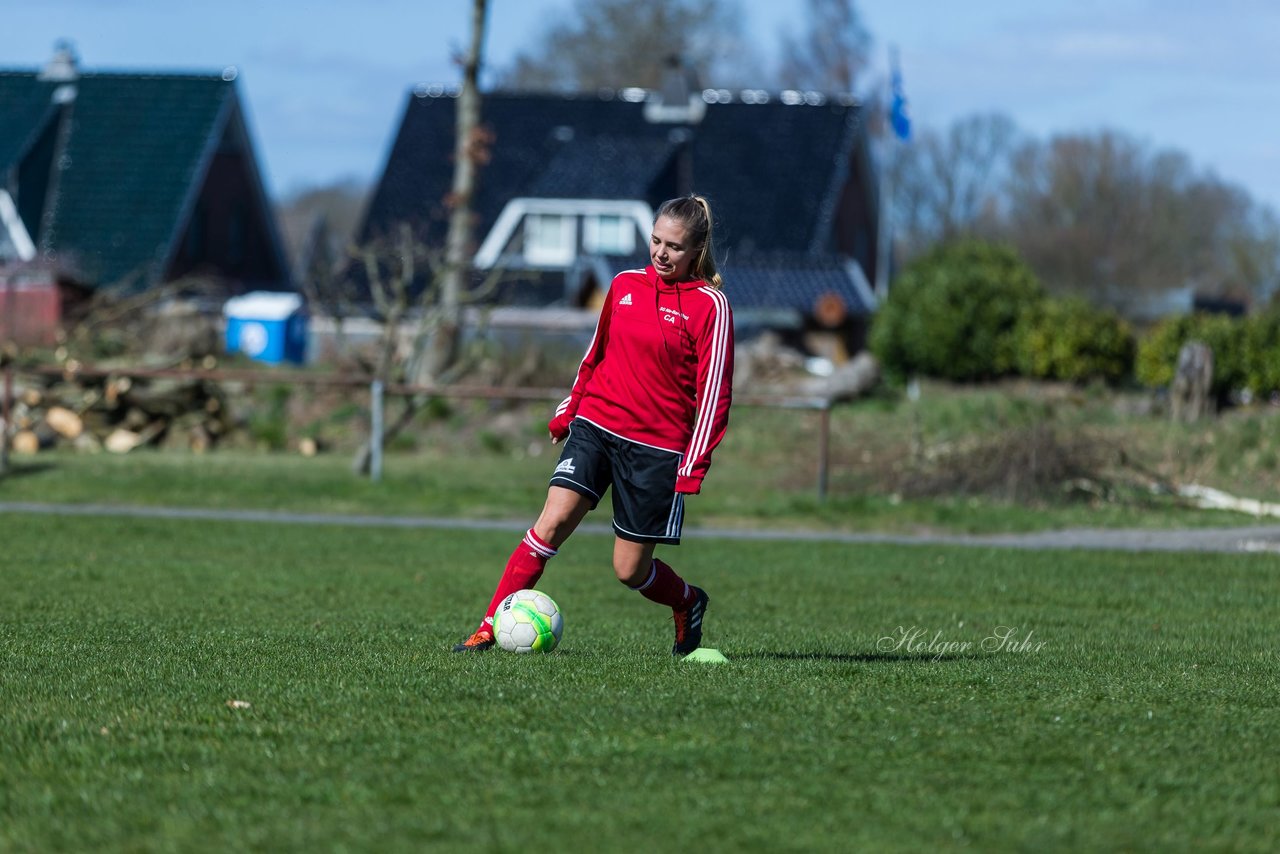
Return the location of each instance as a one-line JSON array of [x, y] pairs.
[[378, 392]]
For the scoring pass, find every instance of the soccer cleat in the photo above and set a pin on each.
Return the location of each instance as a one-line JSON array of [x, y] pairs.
[[479, 642], [689, 623]]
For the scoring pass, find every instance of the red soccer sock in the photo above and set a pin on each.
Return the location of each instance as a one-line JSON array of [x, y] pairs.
[[524, 568], [665, 587]]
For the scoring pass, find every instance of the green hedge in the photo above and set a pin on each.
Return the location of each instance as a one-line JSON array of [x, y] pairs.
[[1261, 355], [1069, 339], [1158, 350], [971, 310], [954, 314]]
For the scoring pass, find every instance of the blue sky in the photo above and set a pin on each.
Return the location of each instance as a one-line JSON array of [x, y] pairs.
[[325, 82]]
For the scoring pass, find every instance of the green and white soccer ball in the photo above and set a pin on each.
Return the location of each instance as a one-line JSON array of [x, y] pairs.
[[528, 621]]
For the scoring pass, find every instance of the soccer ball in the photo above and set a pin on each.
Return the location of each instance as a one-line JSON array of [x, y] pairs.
[[528, 621]]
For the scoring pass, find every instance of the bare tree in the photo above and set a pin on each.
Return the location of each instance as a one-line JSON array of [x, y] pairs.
[[394, 268], [320, 222], [833, 52], [949, 185], [406, 280], [618, 43], [1104, 215], [471, 144]]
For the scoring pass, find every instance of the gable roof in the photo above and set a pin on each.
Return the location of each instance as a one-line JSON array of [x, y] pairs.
[[773, 167], [26, 110], [127, 156]]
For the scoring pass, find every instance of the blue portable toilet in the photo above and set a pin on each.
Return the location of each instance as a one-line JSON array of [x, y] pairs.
[[267, 326]]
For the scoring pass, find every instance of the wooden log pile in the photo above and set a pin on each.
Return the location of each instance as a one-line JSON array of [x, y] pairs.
[[117, 413]]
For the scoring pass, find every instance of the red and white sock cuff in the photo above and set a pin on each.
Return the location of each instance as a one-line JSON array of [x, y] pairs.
[[536, 543], [653, 576]]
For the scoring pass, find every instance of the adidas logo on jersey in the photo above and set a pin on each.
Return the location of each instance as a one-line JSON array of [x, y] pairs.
[[625, 300], [565, 467]]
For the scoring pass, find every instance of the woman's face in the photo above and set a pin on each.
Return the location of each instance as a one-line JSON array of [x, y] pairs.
[[670, 251]]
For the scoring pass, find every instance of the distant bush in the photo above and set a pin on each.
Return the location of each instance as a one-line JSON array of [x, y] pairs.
[[1261, 356], [954, 313], [1158, 350], [1069, 339]]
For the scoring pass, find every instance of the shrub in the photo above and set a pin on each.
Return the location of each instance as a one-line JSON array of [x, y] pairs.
[[1158, 350], [1261, 354], [1069, 339], [954, 313]]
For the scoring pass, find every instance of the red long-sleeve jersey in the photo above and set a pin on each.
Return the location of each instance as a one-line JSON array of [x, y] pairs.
[[659, 370]]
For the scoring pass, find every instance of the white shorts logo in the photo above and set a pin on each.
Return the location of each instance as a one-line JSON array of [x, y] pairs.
[[565, 467]]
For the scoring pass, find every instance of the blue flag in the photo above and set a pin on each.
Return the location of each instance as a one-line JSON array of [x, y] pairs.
[[899, 114]]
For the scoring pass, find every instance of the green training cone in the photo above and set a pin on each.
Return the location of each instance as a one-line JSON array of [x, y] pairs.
[[707, 656]]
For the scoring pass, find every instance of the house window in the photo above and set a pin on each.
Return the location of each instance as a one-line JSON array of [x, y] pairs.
[[549, 239], [609, 234]]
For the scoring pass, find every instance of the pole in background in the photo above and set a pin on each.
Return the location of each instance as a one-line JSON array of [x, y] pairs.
[[824, 451], [375, 432], [899, 122]]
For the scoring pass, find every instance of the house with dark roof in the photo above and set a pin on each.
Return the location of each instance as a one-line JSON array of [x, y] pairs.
[[566, 194], [133, 180]]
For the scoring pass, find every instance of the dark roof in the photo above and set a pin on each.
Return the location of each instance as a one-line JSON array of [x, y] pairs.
[[793, 280], [25, 109], [601, 167], [774, 171], [126, 164]]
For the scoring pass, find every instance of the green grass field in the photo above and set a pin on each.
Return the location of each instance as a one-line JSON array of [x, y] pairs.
[[1132, 706]]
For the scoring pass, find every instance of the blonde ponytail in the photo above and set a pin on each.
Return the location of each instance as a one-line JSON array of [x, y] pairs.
[[694, 213]]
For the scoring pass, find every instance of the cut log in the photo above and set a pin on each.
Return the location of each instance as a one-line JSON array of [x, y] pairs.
[[169, 398], [64, 422], [36, 439], [25, 442], [116, 388], [854, 378], [198, 439], [1208, 498], [122, 441]]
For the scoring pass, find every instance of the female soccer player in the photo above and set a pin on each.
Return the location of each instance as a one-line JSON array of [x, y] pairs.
[[649, 405]]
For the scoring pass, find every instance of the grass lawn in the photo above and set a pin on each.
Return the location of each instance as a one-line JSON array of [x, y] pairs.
[[1128, 704]]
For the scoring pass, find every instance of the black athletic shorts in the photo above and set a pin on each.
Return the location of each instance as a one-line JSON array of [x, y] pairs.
[[646, 506]]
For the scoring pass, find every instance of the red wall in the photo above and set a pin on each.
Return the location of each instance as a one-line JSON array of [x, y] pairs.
[[30, 311]]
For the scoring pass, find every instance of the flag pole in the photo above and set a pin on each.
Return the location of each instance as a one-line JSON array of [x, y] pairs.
[[885, 230], [897, 126]]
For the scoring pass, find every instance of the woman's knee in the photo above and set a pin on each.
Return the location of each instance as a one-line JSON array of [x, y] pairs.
[[560, 515], [632, 562], [630, 573]]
